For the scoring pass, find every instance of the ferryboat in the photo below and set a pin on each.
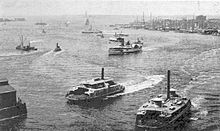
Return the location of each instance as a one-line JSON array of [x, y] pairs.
[[25, 48], [94, 89], [10, 106], [126, 49], [163, 111]]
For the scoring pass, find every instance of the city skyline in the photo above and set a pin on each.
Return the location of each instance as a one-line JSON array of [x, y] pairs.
[[107, 7]]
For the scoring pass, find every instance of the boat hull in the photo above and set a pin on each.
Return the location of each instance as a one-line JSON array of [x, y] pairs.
[[92, 99], [57, 49], [172, 122], [25, 48], [91, 32], [113, 51], [8, 113]]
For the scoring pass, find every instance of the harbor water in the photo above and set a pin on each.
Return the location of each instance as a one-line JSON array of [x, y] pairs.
[[43, 77]]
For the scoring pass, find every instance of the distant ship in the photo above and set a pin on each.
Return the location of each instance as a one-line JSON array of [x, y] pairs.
[[87, 21], [164, 110], [10, 107], [94, 89], [25, 48], [90, 29], [100, 35], [120, 34], [116, 39], [116, 28], [67, 23], [43, 31], [126, 49], [57, 48], [41, 23]]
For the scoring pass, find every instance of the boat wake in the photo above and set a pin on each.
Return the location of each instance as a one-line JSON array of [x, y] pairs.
[[145, 49], [132, 86], [17, 53], [199, 111], [197, 101], [46, 63], [36, 41]]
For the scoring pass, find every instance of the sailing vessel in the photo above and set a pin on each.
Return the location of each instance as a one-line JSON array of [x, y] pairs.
[[94, 89], [42, 26], [87, 21], [90, 29], [164, 110], [25, 48], [126, 49]]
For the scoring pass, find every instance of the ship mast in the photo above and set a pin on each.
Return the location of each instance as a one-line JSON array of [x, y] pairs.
[[22, 40], [193, 24], [143, 19], [168, 84]]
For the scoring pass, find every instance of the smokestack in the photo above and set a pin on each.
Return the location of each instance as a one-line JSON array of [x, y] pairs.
[[102, 76], [168, 84], [22, 41]]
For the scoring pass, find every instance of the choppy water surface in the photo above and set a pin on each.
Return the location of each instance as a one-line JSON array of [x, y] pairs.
[[43, 77]]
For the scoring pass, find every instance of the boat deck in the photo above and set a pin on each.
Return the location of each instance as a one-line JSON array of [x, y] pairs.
[[169, 107]]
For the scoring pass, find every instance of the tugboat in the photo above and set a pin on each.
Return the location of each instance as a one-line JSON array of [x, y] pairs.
[[101, 35], [10, 108], [126, 49], [25, 48], [94, 89], [43, 31], [163, 111], [57, 48]]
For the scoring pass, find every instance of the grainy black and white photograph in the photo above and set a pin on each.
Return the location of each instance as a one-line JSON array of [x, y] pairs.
[[109, 65]]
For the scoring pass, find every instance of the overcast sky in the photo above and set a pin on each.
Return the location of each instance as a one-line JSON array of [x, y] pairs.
[[107, 7]]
